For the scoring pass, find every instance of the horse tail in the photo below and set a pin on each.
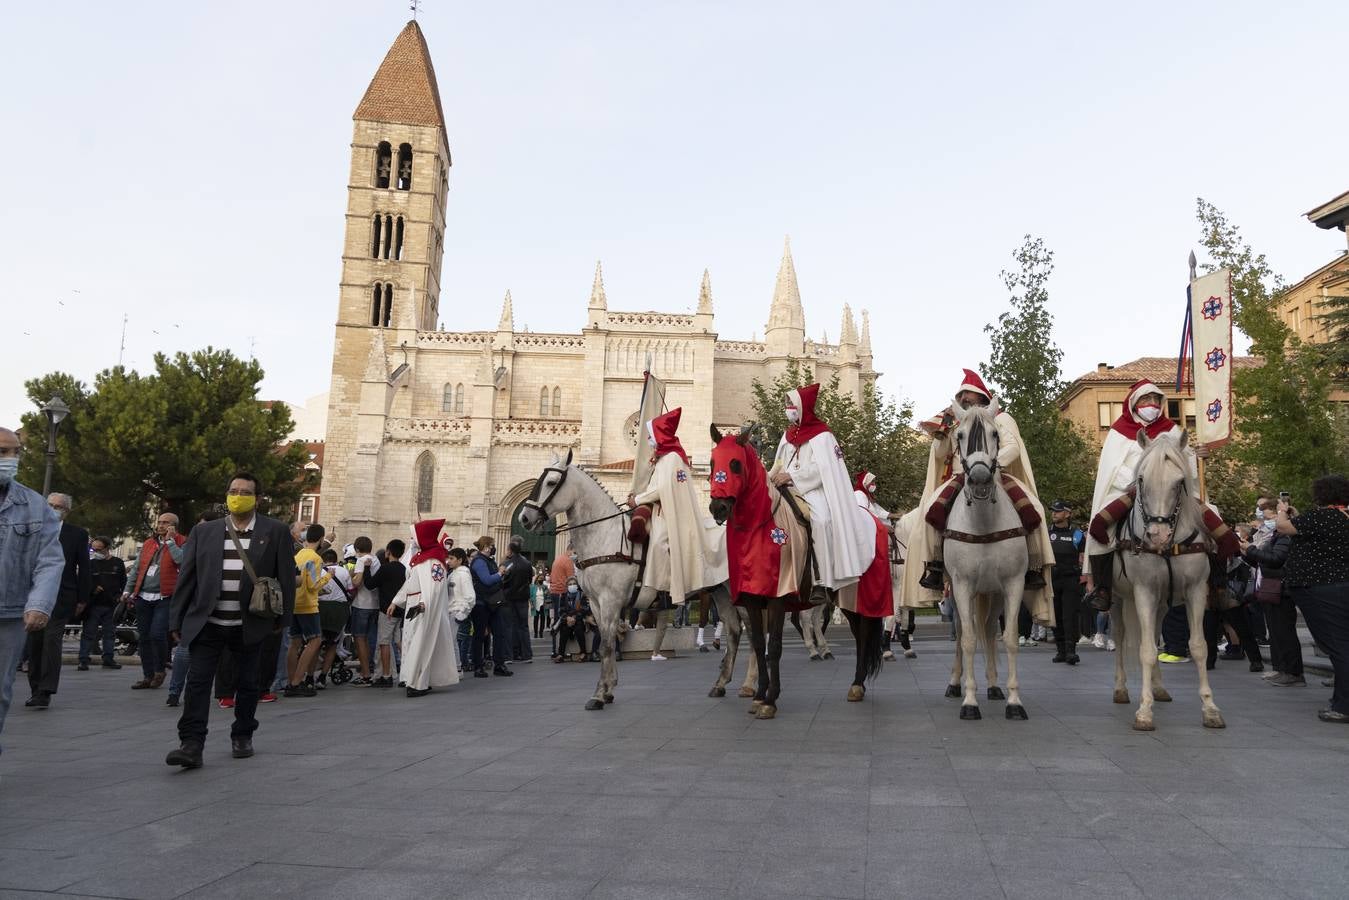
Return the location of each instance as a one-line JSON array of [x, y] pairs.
[[872, 661]]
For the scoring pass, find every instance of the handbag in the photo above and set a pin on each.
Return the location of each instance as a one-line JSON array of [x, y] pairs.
[[267, 601], [1269, 589]]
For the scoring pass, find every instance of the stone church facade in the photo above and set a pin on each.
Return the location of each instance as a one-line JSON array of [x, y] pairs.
[[423, 422]]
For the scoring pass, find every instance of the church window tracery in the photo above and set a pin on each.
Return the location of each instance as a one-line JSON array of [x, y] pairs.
[[447, 399], [543, 403]]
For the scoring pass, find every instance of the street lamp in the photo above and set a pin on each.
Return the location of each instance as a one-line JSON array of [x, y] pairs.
[[56, 411]]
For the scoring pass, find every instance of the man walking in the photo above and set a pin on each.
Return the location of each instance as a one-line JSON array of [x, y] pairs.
[[519, 573], [31, 563], [154, 577], [107, 573], [72, 598], [211, 613]]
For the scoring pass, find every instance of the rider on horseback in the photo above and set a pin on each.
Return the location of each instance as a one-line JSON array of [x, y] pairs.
[[942, 487]]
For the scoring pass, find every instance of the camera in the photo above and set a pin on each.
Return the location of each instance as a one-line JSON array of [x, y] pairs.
[[1284, 495]]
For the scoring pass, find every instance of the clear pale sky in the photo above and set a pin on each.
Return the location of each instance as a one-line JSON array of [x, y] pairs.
[[186, 164]]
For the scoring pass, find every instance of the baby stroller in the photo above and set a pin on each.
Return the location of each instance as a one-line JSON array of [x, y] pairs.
[[340, 673]]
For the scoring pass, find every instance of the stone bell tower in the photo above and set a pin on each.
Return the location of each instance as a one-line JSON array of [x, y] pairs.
[[391, 257]]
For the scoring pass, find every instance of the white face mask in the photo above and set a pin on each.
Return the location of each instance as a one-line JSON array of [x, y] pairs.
[[651, 442], [793, 415], [1149, 414], [1268, 524]]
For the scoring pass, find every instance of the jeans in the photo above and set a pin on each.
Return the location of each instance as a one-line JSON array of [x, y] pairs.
[[1236, 617], [152, 623], [12, 640], [500, 621], [1326, 609], [464, 638], [540, 622], [1176, 631], [205, 656], [99, 617], [178, 674]]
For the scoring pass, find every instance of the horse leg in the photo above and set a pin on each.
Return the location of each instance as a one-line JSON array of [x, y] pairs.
[[984, 613], [1145, 605], [957, 669], [777, 615], [757, 639], [1120, 632], [856, 624], [1195, 603], [721, 595], [969, 703], [607, 620], [752, 661], [1013, 592]]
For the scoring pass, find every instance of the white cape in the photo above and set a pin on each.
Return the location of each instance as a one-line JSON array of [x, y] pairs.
[[843, 533], [687, 549], [1116, 473], [430, 657]]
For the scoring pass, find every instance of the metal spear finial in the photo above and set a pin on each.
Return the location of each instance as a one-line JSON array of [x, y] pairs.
[[1194, 263]]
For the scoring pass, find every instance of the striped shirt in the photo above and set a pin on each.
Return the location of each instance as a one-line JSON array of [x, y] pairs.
[[229, 608]]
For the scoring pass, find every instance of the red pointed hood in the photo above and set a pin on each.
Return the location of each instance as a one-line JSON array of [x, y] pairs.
[[663, 429], [972, 382], [864, 481], [428, 541], [809, 425], [1129, 424]]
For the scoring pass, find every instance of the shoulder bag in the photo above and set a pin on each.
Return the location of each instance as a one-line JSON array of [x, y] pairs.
[[267, 601]]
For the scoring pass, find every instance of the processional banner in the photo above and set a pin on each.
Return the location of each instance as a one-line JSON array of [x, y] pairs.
[[1210, 324], [653, 404]]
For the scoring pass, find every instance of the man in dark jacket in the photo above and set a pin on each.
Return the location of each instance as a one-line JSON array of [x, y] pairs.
[[44, 647], [211, 612], [519, 573], [107, 573], [388, 581]]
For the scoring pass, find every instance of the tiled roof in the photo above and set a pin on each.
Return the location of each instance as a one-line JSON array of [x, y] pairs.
[[404, 90], [1157, 369]]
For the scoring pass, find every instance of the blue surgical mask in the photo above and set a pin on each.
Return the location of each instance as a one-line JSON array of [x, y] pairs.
[[573, 589], [9, 467], [1268, 524]]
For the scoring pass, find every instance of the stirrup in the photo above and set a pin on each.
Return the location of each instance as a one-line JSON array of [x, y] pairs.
[[933, 570], [1035, 580]]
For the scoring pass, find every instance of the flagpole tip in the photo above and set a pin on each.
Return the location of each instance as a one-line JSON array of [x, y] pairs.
[[1194, 264]]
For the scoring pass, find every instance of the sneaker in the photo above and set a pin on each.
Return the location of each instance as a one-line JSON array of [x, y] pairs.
[[888, 656], [267, 697], [1169, 658], [82, 667], [225, 703], [1021, 642], [362, 680], [1032, 643], [1329, 715], [1110, 644], [1286, 680], [1270, 676], [702, 648], [1083, 640], [171, 700], [911, 654], [1099, 641], [656, 657], [1232, 653]]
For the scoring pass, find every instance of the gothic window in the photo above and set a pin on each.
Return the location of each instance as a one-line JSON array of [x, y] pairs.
[[459, 400], [383, 162], [388, 304], [388, 235], [426, 481], [447, 399], [543, 403], [376, 303], [376, 229], [557, 402], [405, 167], [381, 306], [398, 239]]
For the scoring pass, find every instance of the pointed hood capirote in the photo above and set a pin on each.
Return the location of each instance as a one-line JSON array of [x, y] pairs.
[[971, 381], [428, 532], [864, 481], [809, 425], [664, 429]]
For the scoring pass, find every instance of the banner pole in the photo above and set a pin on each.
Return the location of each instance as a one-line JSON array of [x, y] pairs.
[[1189, 310]]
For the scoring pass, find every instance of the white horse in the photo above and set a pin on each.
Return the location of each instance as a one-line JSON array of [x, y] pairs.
[[984, 545], [1161, 554], [605, 565]]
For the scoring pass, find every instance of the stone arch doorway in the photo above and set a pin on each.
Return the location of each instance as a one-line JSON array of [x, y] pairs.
[[538, 548]]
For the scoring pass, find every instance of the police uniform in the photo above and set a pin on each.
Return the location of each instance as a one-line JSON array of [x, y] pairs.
[[1068, 543]]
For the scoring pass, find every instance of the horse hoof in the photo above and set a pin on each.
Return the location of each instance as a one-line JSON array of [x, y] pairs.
[[1121, 696], [745, 692], [970, 712], [717, 692], [592, 704], [767, 711], [1144, 725], [1161, 695], [754, 707], [995, 693], [953, 690], [608, 698], [856, 692], [828, 655], [1017, 711], [1214, 720]]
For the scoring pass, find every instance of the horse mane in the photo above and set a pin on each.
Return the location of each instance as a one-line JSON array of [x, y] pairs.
[[595, 481], [1163, 449]]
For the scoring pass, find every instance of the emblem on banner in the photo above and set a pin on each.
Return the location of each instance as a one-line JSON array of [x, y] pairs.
[[838, 451], [1212, 308], [719, 477], [1214, 411], [437, 572], [779, 536], [681, 476], [1215, 359]]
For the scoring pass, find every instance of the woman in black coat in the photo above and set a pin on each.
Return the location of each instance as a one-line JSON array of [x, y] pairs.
[[1268, 558]]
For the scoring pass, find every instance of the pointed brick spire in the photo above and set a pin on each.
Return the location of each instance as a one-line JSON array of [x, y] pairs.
[[507, 321], [786, 311], [705, 294], [597, 298], [404, 90]]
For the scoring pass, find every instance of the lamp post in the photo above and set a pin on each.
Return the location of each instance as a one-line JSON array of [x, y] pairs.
[[56, 411]]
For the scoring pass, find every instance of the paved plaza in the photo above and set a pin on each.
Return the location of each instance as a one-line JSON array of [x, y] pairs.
[[508, 788]]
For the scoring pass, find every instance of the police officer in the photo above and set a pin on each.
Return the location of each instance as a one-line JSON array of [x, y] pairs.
[[1068, 543]]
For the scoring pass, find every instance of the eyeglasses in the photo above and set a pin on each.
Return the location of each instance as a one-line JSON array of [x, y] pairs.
[[239, 493]]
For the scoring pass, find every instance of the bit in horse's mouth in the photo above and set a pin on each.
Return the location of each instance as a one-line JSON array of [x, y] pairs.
[[981, 492]]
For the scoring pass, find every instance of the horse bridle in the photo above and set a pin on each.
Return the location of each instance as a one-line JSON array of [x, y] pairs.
[[966, 467], [541, 506], [1169, 521]]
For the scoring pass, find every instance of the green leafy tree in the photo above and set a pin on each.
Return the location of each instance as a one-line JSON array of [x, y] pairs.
[[1289, 434], [1333, 314], [136, 445], [875, 432], [1024, 370]]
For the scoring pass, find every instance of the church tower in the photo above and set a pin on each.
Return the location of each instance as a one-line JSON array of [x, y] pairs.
[[391, 258]]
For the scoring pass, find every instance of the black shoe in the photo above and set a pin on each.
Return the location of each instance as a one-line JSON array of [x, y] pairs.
[[1035, 580], [479, 673], [171, 700], [1100, 600], [82, 667], [932, 575], [702, 648], [501, 670], [1061, 656], [1257, 667], [384, 682], [41, 700], [413, 692], [241, 748], [111, 664], [188, 755], [300, 690], [31, 701], [1073, 659], [1231, 653]]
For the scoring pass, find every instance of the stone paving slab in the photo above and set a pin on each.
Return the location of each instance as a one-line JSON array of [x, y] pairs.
[[508, 788]]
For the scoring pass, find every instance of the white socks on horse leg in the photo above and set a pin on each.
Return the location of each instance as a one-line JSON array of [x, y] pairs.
[[700, 636]]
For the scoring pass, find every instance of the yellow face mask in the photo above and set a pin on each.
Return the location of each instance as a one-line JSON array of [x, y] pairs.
[[239, 505]]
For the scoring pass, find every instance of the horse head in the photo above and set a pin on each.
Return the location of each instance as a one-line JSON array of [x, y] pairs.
[[552, 494], [1162, 484], [977, 446], [733, 459]]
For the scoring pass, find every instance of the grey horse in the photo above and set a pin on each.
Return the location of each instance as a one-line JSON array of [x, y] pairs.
[[606, 570], [985, 549], [1161, 553]]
